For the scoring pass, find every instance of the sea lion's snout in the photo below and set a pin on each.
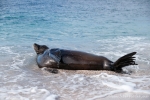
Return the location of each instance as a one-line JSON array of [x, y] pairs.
[[36, 47], [39, 48]]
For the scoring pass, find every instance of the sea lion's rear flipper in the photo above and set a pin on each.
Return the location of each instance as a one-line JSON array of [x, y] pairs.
[[55, 54], [124, 61]]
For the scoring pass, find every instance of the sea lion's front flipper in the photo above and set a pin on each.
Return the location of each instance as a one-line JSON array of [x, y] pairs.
[[55, 54], [52, 70]]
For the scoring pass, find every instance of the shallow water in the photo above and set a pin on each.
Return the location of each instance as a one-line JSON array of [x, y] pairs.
[[109, 28]]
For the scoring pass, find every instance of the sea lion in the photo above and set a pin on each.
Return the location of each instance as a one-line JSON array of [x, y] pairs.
[[56, 58]]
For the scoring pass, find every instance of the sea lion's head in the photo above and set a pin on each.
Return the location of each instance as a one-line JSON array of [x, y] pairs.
[[39, 49]]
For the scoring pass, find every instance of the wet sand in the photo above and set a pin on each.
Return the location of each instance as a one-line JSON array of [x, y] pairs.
[[127, 96]]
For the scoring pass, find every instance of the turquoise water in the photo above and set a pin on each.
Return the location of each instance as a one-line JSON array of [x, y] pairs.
[[64, 20], [110, 28]]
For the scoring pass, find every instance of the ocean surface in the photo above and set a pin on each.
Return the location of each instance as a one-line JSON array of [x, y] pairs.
[[111, 28]]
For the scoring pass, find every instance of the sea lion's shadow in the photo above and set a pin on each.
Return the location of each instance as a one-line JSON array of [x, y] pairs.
[[86, 72]]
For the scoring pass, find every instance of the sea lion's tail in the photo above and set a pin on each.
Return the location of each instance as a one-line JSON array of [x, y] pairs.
[[126, 60]]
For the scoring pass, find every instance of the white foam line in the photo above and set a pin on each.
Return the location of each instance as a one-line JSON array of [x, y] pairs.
[[122, 78], [119, 87], [127, 88]]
